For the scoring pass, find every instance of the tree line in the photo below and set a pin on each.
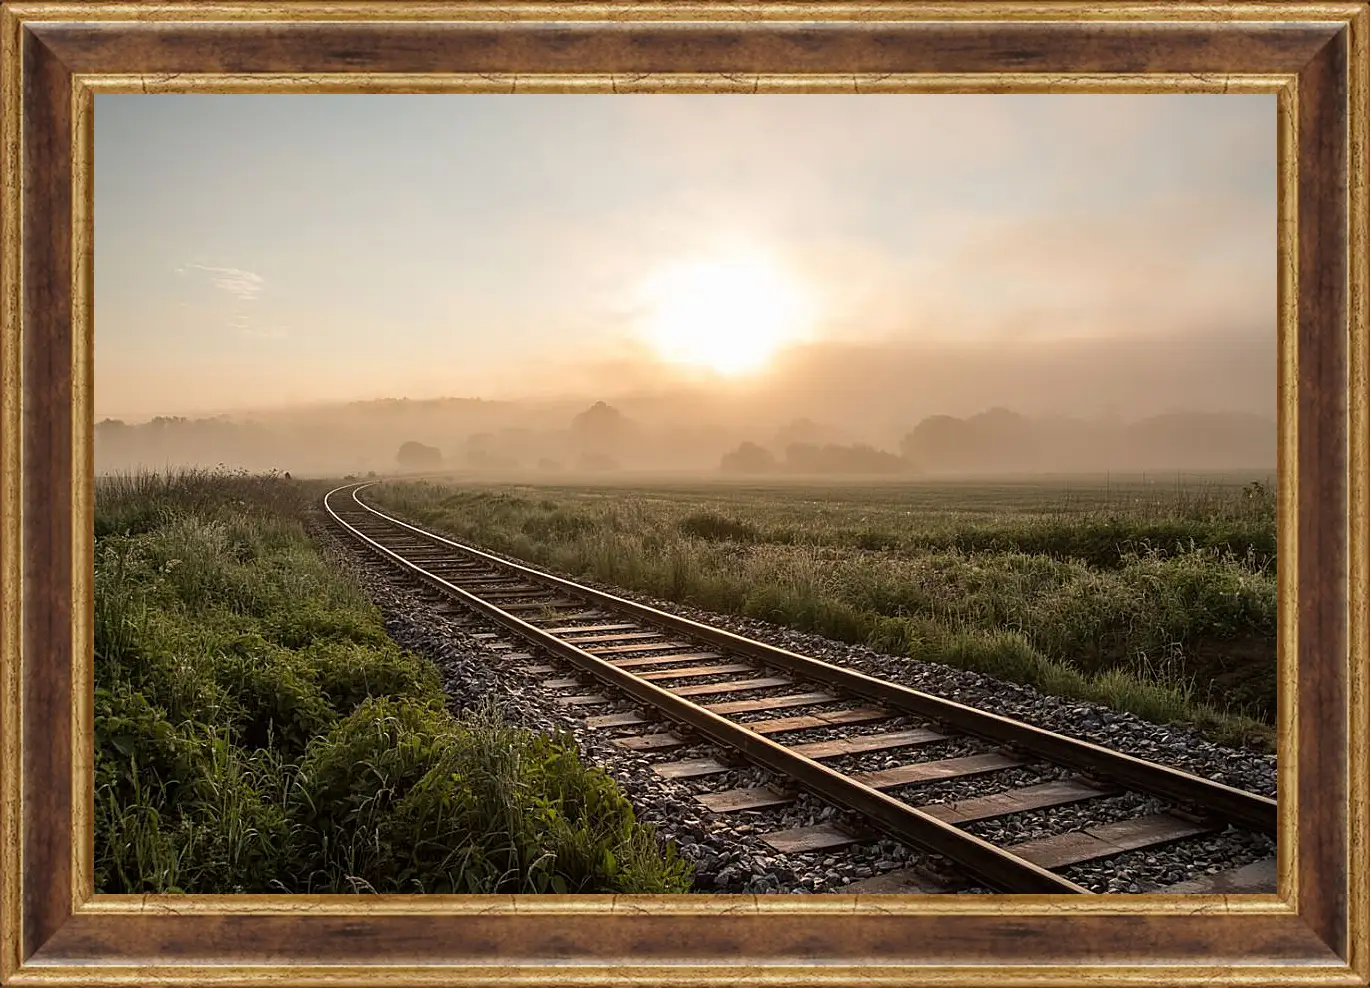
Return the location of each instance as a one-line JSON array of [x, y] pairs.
[[1003, 441]]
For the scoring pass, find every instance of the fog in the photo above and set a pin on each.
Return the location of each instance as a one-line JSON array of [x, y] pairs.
[[1189, 402]]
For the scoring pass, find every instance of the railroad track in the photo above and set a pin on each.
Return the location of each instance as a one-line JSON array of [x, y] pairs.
[[766, 706]]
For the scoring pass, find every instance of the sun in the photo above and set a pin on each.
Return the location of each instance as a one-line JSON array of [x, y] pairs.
[[728, 313]]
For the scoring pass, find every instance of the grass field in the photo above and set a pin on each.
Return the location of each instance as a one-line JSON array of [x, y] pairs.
[[1157, 598], [257, 731]]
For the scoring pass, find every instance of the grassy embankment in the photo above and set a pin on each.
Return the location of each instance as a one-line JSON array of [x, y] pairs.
[[257, 731], [1158, 600]]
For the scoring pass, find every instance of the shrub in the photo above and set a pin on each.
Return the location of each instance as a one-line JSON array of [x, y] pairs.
[[281, 705], [716, 528], [136, 746], [416, 802], [348, 674]]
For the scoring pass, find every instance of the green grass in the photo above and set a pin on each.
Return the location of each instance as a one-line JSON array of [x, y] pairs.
[[256, 730], [1149, 598]]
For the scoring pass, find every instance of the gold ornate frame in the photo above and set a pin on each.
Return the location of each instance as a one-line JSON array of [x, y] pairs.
[[56, 56]]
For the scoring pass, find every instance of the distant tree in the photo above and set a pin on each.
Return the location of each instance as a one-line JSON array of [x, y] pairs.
[[867, 459], [597, 417], [939, 441], [113, 440], [1003, 439], [748, 458], [417, 456], [997, 439], [601, 427], [834, 459]]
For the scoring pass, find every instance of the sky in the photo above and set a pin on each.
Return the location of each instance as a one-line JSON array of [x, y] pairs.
[[266, 250]]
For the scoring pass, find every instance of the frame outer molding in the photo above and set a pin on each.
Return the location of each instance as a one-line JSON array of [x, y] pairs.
[[56, 56], [47, 483], [1322, 452], [11, 377]]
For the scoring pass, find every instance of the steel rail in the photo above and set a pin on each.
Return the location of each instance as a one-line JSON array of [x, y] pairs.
[[1226, 802], [997, 868]]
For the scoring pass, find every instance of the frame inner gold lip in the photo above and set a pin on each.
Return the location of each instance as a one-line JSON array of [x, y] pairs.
[[1336, 12], [514, 83], [85, 87]]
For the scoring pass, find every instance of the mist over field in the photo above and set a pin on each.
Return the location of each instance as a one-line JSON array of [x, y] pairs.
[[1190, 403]]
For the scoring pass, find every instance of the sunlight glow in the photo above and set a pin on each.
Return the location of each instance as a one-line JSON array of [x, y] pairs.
[[729, 313]]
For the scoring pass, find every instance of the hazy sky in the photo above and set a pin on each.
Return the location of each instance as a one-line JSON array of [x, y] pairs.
[[259, 250]]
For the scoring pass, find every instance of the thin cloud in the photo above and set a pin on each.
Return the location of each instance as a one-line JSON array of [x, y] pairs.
[[239, 283]]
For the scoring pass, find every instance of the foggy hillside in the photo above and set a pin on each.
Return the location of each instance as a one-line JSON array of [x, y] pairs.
[[1195, 402]]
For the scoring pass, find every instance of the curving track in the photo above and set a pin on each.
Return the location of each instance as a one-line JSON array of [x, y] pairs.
[[763, 705]]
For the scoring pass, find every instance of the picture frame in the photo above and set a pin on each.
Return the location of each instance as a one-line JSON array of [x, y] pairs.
[[57, 56]]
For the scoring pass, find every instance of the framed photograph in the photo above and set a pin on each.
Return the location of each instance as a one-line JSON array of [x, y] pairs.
[[684, 493]]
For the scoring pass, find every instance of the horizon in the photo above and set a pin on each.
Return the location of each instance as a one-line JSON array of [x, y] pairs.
[[580, 402]]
